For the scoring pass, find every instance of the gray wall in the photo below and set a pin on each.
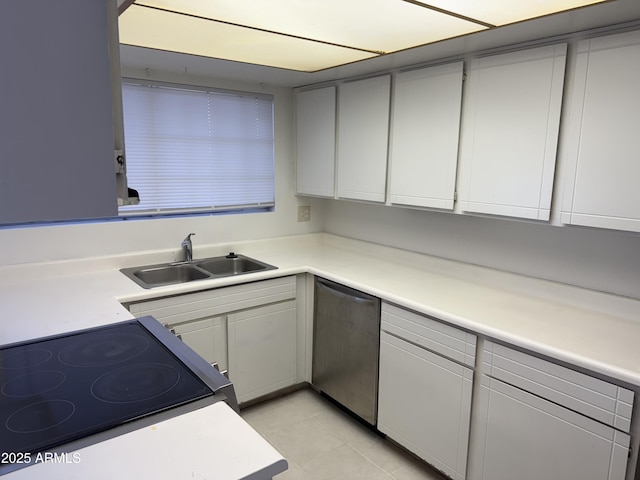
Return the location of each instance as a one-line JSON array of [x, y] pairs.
[[56, 128], [599, 259]]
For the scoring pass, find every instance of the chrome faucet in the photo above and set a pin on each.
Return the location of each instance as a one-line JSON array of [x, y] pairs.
[[187, 248]]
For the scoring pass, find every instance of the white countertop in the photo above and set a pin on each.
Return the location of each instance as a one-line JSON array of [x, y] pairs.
[[221, 446], [597, 331], [592, 330]]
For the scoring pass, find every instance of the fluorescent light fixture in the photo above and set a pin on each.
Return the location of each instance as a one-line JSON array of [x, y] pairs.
[[503, 12], [311, 35], [162, 30], [374, 25]]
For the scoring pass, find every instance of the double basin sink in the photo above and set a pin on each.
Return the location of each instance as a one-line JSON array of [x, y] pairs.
[[159, 275]]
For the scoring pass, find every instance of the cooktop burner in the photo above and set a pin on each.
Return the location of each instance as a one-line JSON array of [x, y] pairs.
[[149, 380], [40, 416], [109, 349], [34, 383], [18, 360], [59, 389]]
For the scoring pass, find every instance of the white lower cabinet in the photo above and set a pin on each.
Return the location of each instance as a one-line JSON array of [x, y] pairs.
[[529, 438], [262, 349], [532, 420], [251, 330], [424, 400]]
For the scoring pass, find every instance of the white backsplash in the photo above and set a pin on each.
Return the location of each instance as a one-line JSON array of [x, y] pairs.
[[598, 259]]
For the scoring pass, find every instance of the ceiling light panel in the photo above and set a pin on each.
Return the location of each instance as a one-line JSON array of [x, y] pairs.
[[374, 25], [157, 29], [503, 12]]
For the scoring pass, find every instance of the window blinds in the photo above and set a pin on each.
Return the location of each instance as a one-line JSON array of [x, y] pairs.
[[196, 150]]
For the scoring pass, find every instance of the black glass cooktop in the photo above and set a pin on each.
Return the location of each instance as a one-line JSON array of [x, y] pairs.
[[59, 389]]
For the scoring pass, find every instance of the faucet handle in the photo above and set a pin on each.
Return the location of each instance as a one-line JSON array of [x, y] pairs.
[[187, 248]]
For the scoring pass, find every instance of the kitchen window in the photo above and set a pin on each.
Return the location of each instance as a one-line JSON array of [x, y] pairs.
[[191, 150]]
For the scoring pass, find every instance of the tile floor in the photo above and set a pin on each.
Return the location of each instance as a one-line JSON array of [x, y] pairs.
[[321, 442]]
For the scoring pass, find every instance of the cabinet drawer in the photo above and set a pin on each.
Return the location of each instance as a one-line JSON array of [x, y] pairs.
[[428, 333], [595, 398], [183, 308]]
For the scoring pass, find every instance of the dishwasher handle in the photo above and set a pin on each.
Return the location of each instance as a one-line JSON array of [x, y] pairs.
[[345, 292]]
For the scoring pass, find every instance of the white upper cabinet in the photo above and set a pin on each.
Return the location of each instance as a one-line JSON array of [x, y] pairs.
[[363, 131], [315, 141], [425, 129], [510, 124], [603, 141]]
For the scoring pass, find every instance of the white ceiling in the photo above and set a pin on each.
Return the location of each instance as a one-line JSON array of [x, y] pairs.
[[355, 47]]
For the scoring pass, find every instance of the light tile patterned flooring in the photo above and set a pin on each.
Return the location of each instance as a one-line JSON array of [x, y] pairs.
[[321, 442]]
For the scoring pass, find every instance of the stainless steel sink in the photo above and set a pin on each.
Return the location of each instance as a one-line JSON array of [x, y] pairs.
[[169, 274], [235, 265], [151, 276]]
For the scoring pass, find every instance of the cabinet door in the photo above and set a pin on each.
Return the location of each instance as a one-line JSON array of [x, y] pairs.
[[262, 349], [425, 128], [206, 337], [602, 141], [424, 404], [510, 126], [523, 436], [315, 141], [363, 130]]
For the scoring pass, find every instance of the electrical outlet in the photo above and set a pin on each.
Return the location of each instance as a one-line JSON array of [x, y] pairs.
[[304, 213]]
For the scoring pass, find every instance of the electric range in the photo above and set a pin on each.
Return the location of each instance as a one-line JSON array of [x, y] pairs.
[[65, 392]]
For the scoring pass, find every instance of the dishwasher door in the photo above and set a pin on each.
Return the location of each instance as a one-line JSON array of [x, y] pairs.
[[346, 347]]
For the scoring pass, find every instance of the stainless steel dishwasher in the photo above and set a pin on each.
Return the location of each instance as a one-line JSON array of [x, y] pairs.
[[346, 347]]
